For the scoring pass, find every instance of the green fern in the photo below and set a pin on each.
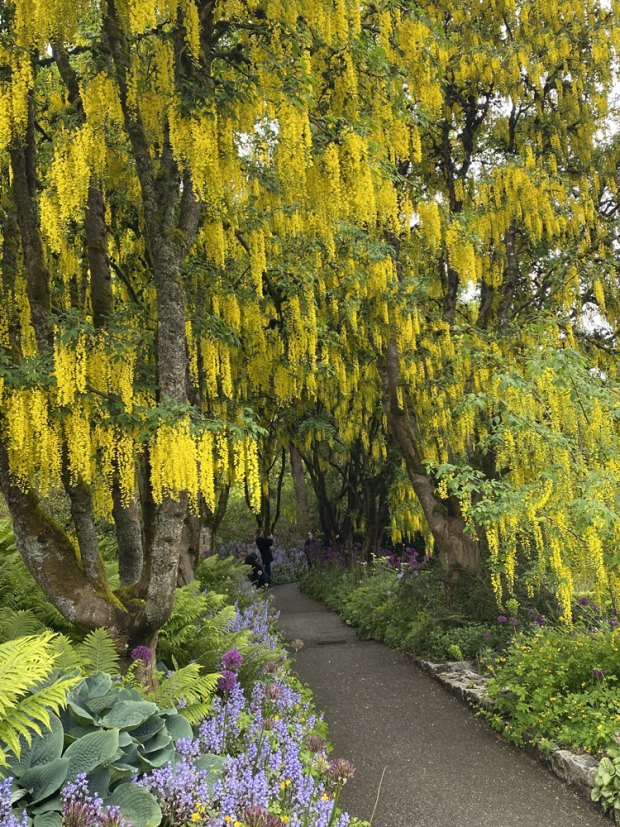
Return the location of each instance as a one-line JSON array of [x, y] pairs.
[[98, 653], [68, 656], [26, 700], [187, 690], [18, 624]]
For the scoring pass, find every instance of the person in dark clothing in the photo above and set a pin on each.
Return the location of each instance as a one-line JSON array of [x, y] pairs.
[[310, 549], [257, 575], [264, 544]]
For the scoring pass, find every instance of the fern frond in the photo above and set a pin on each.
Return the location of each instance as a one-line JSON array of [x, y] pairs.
[[68, 656], [18, 624], [25, 701], [187, 690], [98, 653]]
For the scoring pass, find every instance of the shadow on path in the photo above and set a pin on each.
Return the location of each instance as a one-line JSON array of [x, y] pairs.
[[444, 766]]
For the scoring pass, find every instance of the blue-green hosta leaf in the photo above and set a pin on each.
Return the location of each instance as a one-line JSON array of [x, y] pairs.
[[137, 805], [48, 820], [128, 714], [50, 805], [158, 741], [44, 780], [150, 727], [155, 760], [178, 727], [90, 751], [99, 781], [77, 710], [43, 749], [125, 738], [95, 686]]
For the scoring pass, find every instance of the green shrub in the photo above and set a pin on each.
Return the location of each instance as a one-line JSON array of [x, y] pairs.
[[559, 686]]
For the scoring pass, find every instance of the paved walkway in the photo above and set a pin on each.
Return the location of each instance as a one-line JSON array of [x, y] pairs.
[[444, 766]]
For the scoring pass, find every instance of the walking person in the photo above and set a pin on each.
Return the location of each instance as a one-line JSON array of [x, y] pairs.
[[310, 549], [264, 543]]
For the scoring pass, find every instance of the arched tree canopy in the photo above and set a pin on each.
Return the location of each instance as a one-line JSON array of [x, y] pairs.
[[388, 227]]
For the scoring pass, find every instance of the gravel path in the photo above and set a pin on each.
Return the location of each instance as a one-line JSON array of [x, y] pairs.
[[444, 767]]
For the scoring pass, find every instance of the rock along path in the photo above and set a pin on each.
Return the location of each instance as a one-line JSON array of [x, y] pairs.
[[444, 766]]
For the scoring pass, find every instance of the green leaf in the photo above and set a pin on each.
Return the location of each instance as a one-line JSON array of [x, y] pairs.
[[150, 727], [213, 765], [178, 727], [129, 714], [137, 805], [43, 749], [44, 780], [155, 760], [48, 820], [88, 752]]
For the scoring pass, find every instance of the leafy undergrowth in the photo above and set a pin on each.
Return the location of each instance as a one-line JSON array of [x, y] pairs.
[[552, 684], [212, 730]]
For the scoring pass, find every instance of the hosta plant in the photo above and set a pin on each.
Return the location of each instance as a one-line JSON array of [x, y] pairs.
[[607, 782], [109, 733]]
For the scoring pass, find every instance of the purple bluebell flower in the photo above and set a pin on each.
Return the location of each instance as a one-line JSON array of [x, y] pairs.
[[9, 818], [181, 790], [502, 619], [583, 601]]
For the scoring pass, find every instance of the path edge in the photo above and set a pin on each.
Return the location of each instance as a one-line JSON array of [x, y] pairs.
[[574, 769]]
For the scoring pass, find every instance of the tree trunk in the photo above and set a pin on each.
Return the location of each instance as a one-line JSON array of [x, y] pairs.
[[129, 537], [299, 486], [50, 557], [457, 550]]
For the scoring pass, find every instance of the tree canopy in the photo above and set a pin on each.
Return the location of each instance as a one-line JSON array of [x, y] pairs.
[[385, 230]]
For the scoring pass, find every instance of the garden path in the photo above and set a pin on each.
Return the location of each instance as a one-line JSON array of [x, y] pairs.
[[444, 766]]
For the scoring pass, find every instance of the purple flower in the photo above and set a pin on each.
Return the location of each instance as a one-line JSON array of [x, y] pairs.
[[232, 660], [614, 623], [7, 817], [487, 636], [502, 619], [583, 601], [181, 790], [82, 809], [598, 674], [340, 771], [142, 653], [257, 816], [227, 680], [512, 621], [540, 621]]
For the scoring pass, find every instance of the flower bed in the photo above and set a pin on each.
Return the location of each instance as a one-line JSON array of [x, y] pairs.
[[258, 759]]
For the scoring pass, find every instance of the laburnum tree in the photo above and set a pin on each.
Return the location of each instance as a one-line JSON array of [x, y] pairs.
[[500, 372], [397, 213], [161, 163]]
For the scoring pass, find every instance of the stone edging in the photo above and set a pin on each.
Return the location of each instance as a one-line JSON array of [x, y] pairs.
[[461, 679]]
